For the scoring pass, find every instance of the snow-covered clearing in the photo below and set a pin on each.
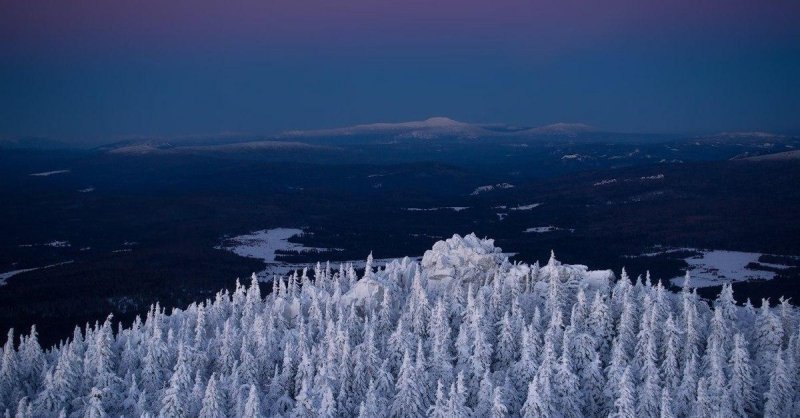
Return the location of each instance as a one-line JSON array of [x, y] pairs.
[[550, 228], [5, 276], [605, 182], [575, 157], [526, 207], [715, 267], [49, 173], [9, 274], [264, 244], [659, 250], [55, 244], [381, 175], [708, 267], [490, 187], [453, 208]]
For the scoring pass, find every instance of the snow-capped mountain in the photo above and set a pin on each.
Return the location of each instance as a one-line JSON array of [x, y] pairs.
[[441, 127], [463, 333], [425, 129], [428, 129], [565, 129]]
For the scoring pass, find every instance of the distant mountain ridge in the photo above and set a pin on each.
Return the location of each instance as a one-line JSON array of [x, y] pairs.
[[436, 127], [433, 128], [428, 129]]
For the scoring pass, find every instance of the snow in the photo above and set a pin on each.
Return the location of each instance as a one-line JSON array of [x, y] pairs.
[[468, 258], [381, 175], [659, 250], [453, 208], [430, 128], [454, 260], [605, 182], [9, 274], [549, 228], [287, 309], [464, 308], [136, 149], [490, 187], [561, 128], [49, 173], [264, 244], [779, 156], [54, 244], [599, 280], [575, 157], [715, 267], [526, 207], [367, 292]]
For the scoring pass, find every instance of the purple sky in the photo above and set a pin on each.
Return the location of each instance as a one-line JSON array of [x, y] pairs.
[[109, 67]]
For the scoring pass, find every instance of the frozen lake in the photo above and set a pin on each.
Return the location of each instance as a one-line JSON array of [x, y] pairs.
[[266, 244], [716, 267]]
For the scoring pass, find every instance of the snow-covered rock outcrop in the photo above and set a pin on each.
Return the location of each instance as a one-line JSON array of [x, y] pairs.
[[466, 259], [469, 260], [574, 276]]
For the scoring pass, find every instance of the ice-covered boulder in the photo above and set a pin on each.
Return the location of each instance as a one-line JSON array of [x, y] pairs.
[[369, 291], [599, 280], [467, 259], [285, 309], [366, 293], [574, 275]]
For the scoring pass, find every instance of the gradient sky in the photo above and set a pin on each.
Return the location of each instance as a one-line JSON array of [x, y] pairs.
[[96, 69]]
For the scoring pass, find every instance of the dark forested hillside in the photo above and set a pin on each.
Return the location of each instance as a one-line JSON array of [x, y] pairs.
[[115, 232]]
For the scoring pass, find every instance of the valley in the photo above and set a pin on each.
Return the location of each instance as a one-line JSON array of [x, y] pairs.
[[136, 228]]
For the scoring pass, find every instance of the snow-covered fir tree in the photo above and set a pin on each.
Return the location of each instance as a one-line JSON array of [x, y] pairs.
[[463, 332]]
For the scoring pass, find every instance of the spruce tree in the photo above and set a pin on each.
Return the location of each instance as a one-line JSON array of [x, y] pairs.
[[408, 402], [625, 403], [779, 397], [252, 408], [212, 402]]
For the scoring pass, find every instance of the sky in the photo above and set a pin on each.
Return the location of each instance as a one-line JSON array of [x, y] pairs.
[[98, 69]]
